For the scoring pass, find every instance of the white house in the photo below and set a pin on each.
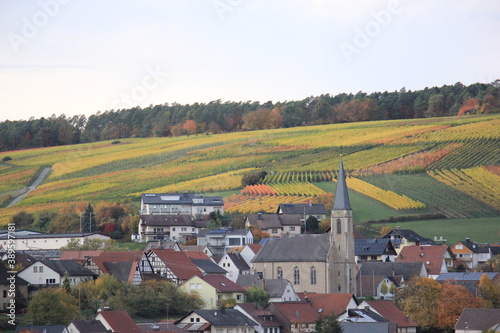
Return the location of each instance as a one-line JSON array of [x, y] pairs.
[[235, 266], [45, 273], [43, 241], [221, 241], [180, 203], [172, 227]]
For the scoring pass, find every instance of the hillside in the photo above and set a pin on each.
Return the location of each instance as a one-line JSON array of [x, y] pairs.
[[448, 165]]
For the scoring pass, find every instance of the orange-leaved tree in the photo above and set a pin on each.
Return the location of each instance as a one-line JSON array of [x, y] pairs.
[[450, 302]]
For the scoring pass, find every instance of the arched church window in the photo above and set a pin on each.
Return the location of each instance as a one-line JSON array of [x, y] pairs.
[[296, 275], [313, 275], [279, 273], [339, 227]]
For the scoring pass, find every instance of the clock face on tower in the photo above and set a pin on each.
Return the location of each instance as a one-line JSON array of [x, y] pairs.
[[338, 213]]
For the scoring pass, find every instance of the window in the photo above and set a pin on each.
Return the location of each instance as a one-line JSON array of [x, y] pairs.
[[198, 320], [50, 281], [238, 297], [459, 247], [339, 227], [339, 288], [274, 231], [184, 229], [292, 228], [192, 229], [35, 269], [229, 330], [5, 294], [279, 273], [191, 320], [313, 275], [199, 286], [296, 275], [40, 269], [191, 286]]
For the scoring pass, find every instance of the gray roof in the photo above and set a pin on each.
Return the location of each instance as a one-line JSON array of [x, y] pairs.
[[225, 318], [372, 247], [167, 220], [238, 261], [312, 248], [275, 287], [465, 276], [366, 327], [208, 266], [72, 267], [341, 201], [89, 326], [406, 269], [223, 232], [120, 270], [478, 319], [298, 209], [411, 235], [42, 328], [270, 221], [180, 198]]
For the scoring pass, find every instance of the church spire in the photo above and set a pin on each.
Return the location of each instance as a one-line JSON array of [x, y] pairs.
[[341, 196]]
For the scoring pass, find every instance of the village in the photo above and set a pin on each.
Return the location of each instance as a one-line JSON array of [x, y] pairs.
[[306, 277]]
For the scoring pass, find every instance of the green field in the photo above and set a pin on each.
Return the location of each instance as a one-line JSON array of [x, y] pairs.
[[481, 230]]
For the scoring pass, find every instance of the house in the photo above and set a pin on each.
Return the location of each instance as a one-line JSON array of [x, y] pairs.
[[49, 273], [327, 304], [470, 280], [264, 319], [379, 286], [41, 329], [374, 250], [470, 254], [174, 265], [405, 269], [280, 290], [436, 258], [315, 263], [180, 204], [405, 237], [171, 227], [478, 320], [275, 225], [124, 265], [214, 289], [117, 321], [235, 266], [221, 241], [294, 316], [303, 211], [364, 315], [389, 311], [42, 241], [11, 287], [86, 326], [223, 320], [249, 251]]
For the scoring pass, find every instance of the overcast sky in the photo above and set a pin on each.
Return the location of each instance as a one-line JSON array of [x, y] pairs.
[[84, 56]]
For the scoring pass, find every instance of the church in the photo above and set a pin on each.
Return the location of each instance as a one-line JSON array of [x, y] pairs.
[[315, 263]]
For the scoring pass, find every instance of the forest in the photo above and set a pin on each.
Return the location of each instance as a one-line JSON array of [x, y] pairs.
[[218, 117]]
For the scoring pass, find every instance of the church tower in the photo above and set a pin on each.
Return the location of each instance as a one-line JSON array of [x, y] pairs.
[[342, 264]]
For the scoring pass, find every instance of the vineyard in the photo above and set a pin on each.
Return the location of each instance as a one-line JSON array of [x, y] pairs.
[[444, 165]]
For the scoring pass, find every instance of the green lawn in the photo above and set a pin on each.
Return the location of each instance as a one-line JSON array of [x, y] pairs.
[[482, 230]]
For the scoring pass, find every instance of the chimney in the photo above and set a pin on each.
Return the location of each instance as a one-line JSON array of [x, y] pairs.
[[223, 309], [467, 239], [306, 298], [259, 216]]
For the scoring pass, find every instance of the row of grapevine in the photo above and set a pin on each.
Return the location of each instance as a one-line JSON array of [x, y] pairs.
[[389, 198], [248, 204], [473, 153], [299, 176], [476, 182], [296, 188], [259, 189]]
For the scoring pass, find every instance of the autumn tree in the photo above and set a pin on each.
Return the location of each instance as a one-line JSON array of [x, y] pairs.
[[189, 127], [469, 106], [54, 306], [23, 219], [450, 302], [385, 230], [489, 292], [418, 300], [262, 119]]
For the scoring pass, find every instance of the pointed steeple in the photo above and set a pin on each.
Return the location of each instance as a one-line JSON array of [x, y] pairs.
[[341, 196]]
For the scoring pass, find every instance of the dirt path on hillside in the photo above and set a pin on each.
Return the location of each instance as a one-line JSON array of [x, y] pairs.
[[32, 187]]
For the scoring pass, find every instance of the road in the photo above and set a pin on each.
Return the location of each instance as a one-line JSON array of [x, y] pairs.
[[33, 186]]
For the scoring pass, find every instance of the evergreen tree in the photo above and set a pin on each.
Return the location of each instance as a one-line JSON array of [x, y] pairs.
[[88, 220], [328, 325]]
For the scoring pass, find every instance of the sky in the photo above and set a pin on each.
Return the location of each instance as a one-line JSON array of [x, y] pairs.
[[77, 57]]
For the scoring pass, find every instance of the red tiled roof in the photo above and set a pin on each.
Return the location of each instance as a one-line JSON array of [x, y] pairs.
[[431, 256], [329, 303], [196, 255], [255, 247], [296, 312], [390, 312], [120, 321], [78, 255], [222, 283], [178, 262]]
